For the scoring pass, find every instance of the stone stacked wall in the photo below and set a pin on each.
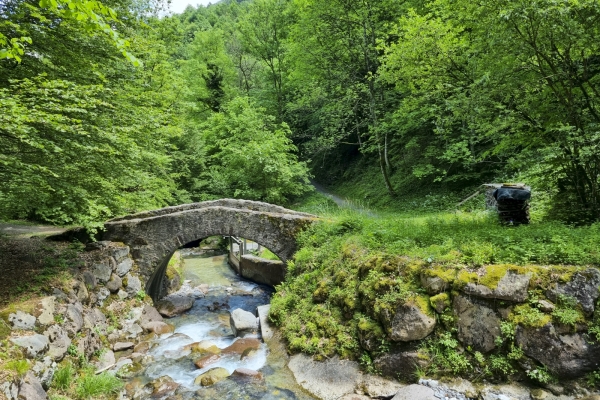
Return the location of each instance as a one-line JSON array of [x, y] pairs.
[[99, 315], [550, 313]]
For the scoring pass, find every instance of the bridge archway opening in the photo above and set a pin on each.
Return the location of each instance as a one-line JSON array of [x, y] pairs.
[[246, 257]]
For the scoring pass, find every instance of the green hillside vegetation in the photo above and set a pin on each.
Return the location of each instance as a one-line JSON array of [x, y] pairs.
[[356, 267], [109, 107]]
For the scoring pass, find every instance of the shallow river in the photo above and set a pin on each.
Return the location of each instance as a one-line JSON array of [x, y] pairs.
[[209, 320]]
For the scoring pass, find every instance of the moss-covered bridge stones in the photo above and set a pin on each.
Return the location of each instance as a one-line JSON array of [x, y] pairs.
[[155, 235]]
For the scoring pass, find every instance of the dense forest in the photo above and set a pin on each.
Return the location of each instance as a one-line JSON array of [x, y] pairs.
[[116, 106]]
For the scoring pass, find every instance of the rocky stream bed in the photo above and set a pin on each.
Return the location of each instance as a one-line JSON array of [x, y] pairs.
[[210, 339]]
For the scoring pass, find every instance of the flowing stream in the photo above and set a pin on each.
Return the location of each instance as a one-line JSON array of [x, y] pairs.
[[208, 320]]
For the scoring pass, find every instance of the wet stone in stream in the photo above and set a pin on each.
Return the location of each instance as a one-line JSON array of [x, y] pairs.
[[198, 359]]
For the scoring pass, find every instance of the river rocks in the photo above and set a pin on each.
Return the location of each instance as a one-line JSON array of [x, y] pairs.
[[45, 310], [263, 317], [505, 392], [22, 320], [33, 344], [410, 323], [247, 373], [59, 342], [512, 287], [124, 267], [399, 363], [243, 322], [94, 319], [31, 388], [174, 304], [414, 392], [101, 271], [205, 346], [149, 313], [114, 284], [211, 376], [328, 380], [158, 327], [566, 355], [120, 346], [478, 324], [463, 387], [378, 387], [206, 360], [584, 287], [163, 386], [241, 345], [105, 360]]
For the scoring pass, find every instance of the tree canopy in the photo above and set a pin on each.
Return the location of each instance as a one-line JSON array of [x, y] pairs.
[[109, 107]]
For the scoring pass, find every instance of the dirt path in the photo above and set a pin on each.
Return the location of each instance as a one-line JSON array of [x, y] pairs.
[[342, 203], [23, 230]]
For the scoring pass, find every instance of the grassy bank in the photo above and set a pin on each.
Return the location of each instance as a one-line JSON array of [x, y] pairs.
[[356, 267]]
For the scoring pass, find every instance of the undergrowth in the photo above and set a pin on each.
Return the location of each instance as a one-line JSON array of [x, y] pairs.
[[356, 266]]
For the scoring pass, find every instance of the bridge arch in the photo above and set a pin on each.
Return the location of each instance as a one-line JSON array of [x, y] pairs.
[[154, 236]]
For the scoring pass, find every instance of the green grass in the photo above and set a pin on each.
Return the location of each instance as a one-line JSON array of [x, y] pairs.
[[354, 268], [63, 377], [90, 386]]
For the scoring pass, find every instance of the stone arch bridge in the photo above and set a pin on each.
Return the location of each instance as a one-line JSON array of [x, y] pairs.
[[154, 236]]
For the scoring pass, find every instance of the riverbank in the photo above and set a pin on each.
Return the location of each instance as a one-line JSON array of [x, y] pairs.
[[447, 294]]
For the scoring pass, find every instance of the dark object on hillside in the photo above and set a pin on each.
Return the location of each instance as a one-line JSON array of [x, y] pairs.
[[512, 203]]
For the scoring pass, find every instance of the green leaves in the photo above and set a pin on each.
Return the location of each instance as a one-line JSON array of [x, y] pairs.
[[250, 156]]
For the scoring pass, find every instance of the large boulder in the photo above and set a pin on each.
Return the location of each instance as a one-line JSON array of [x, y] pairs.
[[149, 314], [174, 305], [114, 283], [242, 345], [410, 322], [584, 287], [59, 342], [243, 322], [401, 363], [566, 355], [33, 344], [134, 285], [327, 380], [478, 324], [163, 387], [22, 320], [512, 287], [45, 310], [102, 272], [124, 267], [415, 392], [74, 314]]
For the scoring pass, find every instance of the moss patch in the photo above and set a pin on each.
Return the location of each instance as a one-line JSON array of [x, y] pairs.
[[528, 316]]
